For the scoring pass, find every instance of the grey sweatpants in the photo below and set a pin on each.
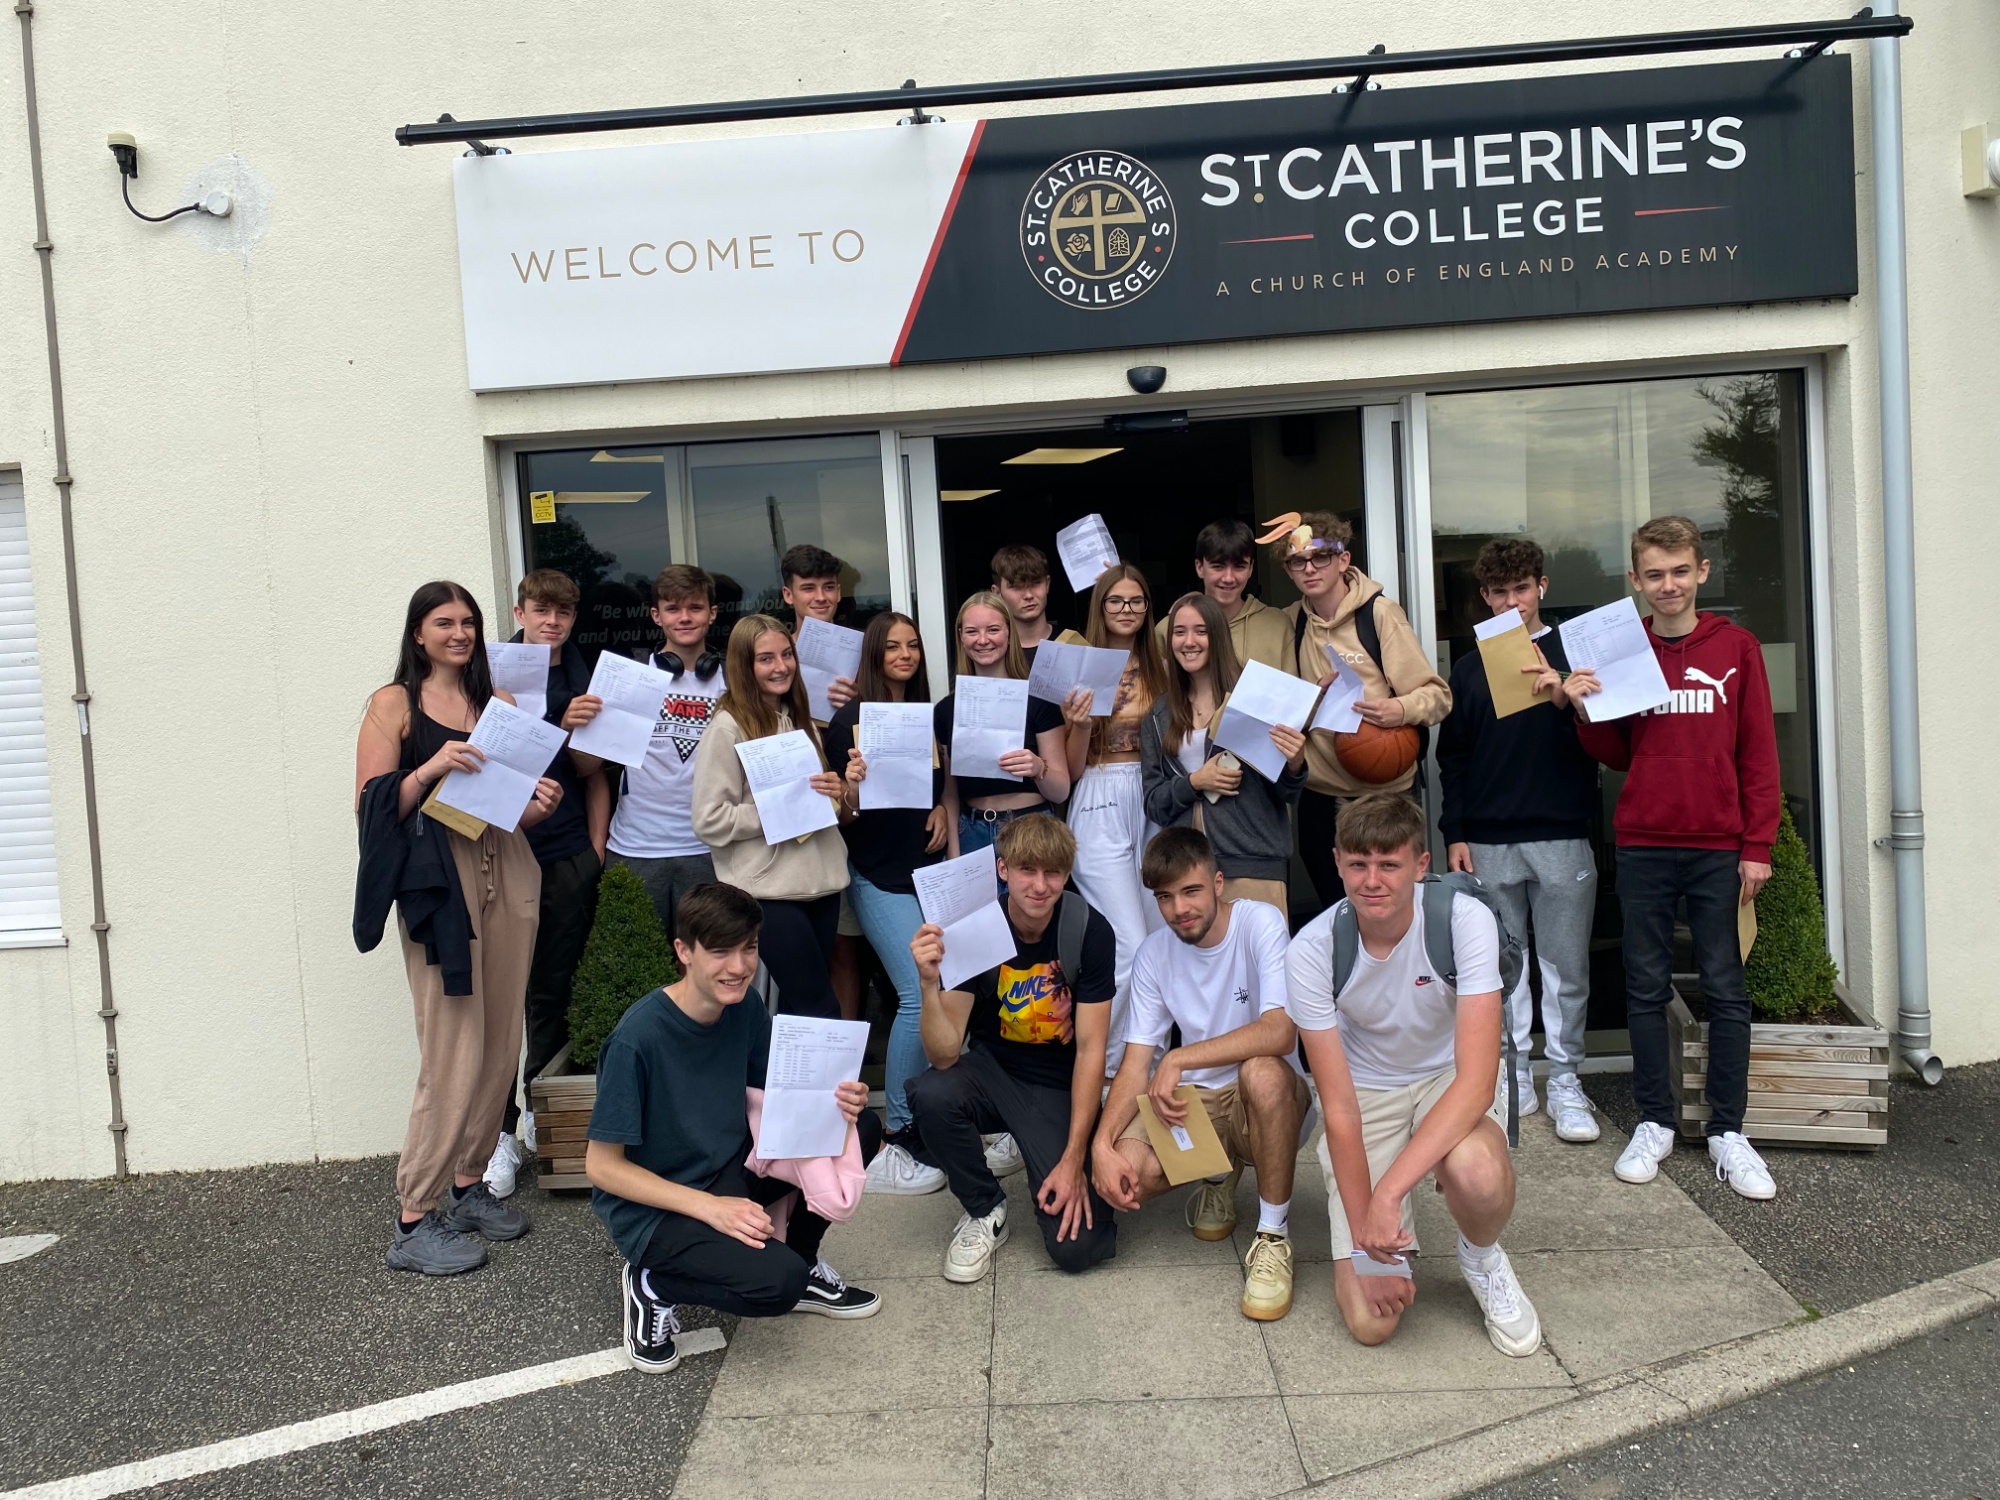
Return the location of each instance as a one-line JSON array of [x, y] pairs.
[[1556, 882]]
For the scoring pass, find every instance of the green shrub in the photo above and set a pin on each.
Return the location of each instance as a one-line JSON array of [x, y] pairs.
[[626, 958], [1789, 973]]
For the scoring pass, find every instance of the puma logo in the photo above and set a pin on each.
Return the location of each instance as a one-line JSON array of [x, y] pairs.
[[1695, 674]]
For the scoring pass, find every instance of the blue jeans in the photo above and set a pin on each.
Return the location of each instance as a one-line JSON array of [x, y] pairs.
[[890, 920]]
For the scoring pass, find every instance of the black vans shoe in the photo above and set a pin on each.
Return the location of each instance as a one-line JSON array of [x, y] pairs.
[[650, 1326], [830, 1297]]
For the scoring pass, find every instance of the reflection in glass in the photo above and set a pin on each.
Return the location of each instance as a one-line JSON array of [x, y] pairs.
[[611, 533]]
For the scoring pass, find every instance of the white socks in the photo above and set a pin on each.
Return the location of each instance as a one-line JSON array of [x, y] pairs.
[[1474, 1257], [1274, 1218]]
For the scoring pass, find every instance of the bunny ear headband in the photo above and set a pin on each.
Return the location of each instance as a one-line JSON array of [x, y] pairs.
[[1296, 535]]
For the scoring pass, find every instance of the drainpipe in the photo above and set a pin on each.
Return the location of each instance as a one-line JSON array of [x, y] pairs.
[[1892, 324], [107, 1008]]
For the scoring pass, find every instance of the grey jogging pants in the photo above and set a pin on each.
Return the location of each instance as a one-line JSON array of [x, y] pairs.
[[1553, 888]]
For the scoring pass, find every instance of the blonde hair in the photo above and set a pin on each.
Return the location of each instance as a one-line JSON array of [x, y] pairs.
[[743, 700], [1016, 661], [1222, 666], [1669, 534], [1037, 842]]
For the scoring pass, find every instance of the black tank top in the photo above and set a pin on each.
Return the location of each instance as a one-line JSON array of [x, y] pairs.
[[426, 736]]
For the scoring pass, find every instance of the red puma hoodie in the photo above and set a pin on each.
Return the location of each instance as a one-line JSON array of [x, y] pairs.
[[1703, 765]]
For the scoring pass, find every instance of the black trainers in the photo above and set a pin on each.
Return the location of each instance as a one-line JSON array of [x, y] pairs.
[[434, 1248], [479, 1212], [830, 1297], [650, 1326]]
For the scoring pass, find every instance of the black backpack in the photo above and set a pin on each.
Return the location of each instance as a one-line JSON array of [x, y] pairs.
[[1371, 642]]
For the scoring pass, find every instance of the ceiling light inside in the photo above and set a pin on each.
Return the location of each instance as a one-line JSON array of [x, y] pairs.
[[1061, 455], [600, 497], [965, 494], [605, 456]]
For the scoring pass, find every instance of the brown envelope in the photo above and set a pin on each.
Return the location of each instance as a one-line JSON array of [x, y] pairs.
[[1503, 656], [1746, 924], [451, 817], [1203, 1156]]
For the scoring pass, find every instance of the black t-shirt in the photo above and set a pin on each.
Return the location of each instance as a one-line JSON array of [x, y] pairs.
[[670, 1091], [1021, 1010], [1042, 716], [888, 843], [564, 833]]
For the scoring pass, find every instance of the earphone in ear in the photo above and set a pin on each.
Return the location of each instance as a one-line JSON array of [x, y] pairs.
[[1541, 593], [705, 666]]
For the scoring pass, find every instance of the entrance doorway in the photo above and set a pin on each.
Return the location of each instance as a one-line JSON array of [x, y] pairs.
[[1155, 490]]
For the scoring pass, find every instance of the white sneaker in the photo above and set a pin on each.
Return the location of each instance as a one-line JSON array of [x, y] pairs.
[[503, 1168], [1640, 1161], [1738, 1164], [1003, 1157], [1511, 1322], [1529, 1103], [1575, 1120], [972, 1245], [897, 1172], [528, 1131]]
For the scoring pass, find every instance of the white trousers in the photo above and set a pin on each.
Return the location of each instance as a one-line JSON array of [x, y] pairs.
[[1107, 813]]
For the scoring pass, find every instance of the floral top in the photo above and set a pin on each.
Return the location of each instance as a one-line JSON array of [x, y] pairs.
[[1128, 712]]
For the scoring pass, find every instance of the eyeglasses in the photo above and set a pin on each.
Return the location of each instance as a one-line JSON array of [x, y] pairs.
[[1124, 606], [1312, 562]]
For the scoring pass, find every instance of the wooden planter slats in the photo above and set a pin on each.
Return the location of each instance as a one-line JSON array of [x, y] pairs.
[[1809, 1085], [562, 1099]]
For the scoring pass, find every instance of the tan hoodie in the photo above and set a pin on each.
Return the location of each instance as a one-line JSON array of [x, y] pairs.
[[1259, 633], [725, 819], [1412, 680]]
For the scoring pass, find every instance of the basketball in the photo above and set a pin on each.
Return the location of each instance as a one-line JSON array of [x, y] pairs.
[[1377, 755]]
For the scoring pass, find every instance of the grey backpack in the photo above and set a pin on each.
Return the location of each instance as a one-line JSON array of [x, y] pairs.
[[1437, 892]]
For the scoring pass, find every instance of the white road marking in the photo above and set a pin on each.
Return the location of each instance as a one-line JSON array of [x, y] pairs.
[[21, 1246], [235, 1452]]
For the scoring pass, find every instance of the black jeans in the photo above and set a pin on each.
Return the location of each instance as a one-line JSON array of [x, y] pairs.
[[797, 947], [1318, 813], [569, 906], [954, 1106], [1650, 883], [687, 1261]]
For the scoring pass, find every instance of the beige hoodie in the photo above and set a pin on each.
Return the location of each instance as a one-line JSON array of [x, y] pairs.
[[1259, 633], [725, 819], [1412, 680]]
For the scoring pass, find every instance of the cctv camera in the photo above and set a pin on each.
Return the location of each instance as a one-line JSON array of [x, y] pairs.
[[1146, 379]]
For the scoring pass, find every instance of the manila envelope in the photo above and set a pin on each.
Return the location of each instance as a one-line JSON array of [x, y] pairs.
[[451, 817], [1504, 653], [1746, 925], [1185, 1151]]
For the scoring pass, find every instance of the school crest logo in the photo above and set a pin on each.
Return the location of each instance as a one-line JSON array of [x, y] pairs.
[[1097, 229]]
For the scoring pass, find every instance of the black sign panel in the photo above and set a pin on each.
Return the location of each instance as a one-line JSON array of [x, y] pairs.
[[1531, 198]]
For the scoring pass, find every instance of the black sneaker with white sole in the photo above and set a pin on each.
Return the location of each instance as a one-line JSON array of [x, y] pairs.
[[831, 1297], [650, 1326]]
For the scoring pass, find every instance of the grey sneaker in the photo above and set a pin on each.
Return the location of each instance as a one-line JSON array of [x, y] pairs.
[[434, 1249], [480, 1213]]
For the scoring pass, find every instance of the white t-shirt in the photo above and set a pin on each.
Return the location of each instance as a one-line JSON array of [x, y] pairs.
[[1396, 1018], [1194, 749], [655, 816], [1208, 992]]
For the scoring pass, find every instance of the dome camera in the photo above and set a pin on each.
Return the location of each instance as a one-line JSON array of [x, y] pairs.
[[1146, 379]]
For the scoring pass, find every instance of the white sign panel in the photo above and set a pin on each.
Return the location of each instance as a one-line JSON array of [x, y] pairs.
[[719, 257]]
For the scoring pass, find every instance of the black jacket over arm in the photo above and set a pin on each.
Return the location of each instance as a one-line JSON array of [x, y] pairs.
[[407, 863]]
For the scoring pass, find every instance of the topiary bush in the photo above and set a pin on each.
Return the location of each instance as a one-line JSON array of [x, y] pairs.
[[626, 958], [1789, 972]]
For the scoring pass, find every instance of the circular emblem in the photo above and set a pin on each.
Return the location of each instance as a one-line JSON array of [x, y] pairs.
[[1097, 229]]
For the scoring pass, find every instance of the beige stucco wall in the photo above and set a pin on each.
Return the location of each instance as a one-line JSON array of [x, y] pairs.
[[273, 442]]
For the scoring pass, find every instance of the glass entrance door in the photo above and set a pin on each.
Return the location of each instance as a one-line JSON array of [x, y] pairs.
[[1576, 468]]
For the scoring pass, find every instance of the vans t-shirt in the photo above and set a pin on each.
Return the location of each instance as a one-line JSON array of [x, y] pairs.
[[1023, 1012], [655, 816], [1396, 1018], [1208, 992]]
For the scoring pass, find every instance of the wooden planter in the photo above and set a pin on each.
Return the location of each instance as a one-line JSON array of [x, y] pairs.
[[1809, 1085], [561, 1099]]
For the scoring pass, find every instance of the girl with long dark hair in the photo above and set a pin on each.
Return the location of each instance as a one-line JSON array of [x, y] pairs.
[[469, 1037], [798, 882], [885, 846], [1248, 820]]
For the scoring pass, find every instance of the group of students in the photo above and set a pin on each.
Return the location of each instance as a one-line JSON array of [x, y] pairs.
[[1143, 876]]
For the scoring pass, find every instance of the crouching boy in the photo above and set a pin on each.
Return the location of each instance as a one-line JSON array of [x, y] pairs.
[[1407, 1060], [669, 1135]]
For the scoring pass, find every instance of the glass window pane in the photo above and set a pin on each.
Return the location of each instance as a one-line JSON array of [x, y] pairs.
[[752, 501], [611, 532]]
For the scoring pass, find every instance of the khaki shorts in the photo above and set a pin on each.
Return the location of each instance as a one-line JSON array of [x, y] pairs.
[[1244, 887], [1389, 1118], [850, 925], [1230, 1116]]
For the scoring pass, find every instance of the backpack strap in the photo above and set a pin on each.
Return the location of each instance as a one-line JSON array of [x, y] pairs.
[[1346, 944], [1371, 635], [1072, 921]]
